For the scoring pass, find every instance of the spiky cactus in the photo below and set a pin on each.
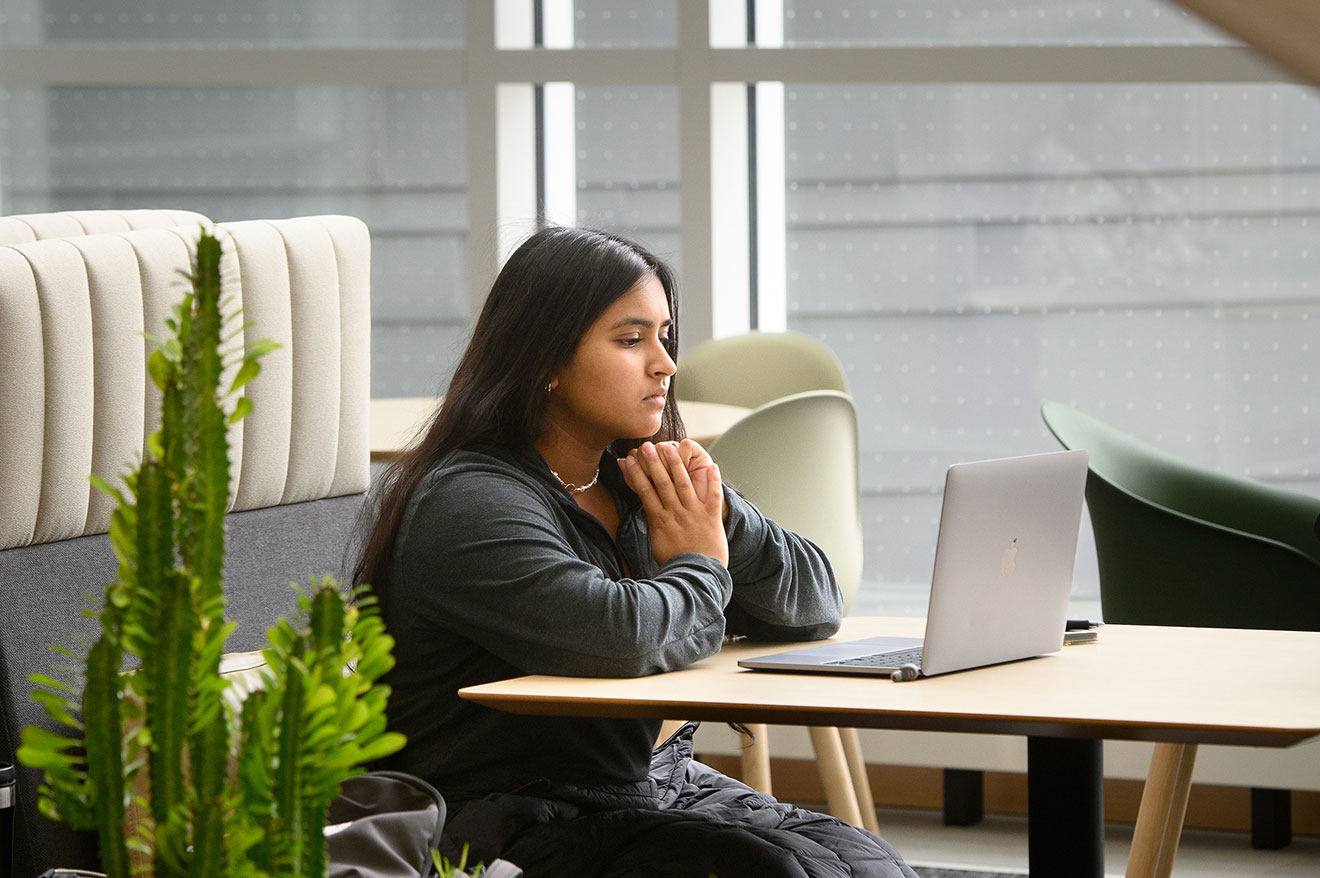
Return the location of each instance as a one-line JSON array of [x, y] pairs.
[[313, 724]]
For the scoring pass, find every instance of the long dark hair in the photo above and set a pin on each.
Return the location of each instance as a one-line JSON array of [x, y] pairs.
[[552, 289]]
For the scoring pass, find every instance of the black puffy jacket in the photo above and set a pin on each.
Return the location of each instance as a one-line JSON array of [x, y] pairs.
[[686, 819]]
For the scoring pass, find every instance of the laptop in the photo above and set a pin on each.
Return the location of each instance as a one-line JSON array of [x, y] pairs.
[[1003, 573]]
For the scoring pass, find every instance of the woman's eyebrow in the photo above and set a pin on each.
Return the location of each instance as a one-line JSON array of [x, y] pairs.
[[640, 321]]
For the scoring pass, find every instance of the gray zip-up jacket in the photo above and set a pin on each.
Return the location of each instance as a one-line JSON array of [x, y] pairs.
[[499, 573]]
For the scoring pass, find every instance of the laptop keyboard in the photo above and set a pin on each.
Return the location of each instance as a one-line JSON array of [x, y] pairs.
[[883, 659]]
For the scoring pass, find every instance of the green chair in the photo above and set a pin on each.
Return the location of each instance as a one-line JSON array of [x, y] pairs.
[[754, 370], [1179, 544], [756, 367], [796, 458]]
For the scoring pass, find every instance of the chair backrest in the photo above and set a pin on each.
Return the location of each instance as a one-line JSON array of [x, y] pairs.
[[75, 400], [1180, 544], [756, 367], [22, 228], [796, 458]]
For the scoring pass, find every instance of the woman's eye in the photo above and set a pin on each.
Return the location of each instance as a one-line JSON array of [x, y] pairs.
[[630, 342]]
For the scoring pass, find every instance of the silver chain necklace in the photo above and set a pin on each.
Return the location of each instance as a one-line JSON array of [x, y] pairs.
[[577, 489]]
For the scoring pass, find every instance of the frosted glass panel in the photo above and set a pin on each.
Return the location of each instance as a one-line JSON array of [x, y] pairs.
[[994, 22], [394, 157], [348, 23], [627, 162], [1148, 254], [625, 23]]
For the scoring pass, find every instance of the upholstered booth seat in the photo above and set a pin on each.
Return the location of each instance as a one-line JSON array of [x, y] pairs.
[[21, 228], [76, 400]]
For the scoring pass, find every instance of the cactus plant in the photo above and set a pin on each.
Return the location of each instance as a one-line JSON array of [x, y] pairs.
[[320, 715]]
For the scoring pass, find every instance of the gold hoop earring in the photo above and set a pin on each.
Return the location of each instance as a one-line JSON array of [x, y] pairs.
[[550, 387]]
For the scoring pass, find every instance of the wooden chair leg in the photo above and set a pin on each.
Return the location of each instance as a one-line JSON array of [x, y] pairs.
[[755, 758], [1163, 807], [833, 768], [852, 750]]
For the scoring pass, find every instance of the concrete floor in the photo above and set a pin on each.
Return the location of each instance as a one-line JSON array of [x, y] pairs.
[[999, 843]]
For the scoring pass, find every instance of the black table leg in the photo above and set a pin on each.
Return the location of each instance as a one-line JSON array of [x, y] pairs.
[[964, 796], [1065, 808], [1271, 818]]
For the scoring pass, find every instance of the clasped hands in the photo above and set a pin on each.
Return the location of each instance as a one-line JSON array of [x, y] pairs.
[[683, 497]]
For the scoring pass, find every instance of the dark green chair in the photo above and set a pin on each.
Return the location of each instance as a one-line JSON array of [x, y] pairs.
[[1179, 544]]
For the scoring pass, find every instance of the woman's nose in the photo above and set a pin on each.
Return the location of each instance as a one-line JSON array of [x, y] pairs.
[[665, 364]]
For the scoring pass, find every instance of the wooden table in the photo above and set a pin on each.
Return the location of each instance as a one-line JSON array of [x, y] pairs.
[[395, 421], [1179, 687]]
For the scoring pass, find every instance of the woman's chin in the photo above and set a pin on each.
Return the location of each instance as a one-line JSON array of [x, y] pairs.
[[646, 430]]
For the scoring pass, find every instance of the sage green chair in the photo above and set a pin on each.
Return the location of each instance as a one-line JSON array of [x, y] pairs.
[[1180, 544], [796, 458], [754, 368]]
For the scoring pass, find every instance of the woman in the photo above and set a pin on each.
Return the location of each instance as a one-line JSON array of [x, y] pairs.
[[554, 520]]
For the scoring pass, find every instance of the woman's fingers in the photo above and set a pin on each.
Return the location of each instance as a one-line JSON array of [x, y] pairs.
[[679, 476], [658, 462], [641, 485], [694, 456], [714, 498], [674, 476], [701, 483], [680, 517]]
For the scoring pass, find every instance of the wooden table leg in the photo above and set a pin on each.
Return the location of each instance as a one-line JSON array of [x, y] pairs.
[[852, 750], [755, 758], [1163, 806], [833, 768]]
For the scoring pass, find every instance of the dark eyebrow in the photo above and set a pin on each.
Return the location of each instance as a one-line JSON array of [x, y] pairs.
[[639, 321]]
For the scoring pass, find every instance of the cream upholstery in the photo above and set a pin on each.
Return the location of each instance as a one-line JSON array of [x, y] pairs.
[[74, 304], [76, 398], [21, 228]]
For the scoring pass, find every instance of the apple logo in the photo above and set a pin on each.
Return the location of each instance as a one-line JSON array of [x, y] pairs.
[[1008, 561]]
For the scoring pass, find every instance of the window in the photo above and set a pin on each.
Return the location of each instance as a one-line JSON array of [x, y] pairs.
[[1145, 252], [978, 206]]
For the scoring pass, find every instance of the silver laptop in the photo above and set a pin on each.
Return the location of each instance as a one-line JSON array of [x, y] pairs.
[[1003, 573]]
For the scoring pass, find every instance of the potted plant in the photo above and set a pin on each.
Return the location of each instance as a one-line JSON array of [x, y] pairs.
[[228, 791]]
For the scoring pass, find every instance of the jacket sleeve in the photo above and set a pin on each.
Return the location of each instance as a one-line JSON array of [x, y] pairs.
[[783, 586], [482, 554]]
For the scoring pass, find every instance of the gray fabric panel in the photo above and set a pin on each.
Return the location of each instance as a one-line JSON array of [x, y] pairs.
[[41, 589], [273, 547]]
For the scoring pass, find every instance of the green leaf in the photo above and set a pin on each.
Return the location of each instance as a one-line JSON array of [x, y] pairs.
[[385, 745], [242, 409], [249, 370], [44, 680], [57, 707], [160, 369]]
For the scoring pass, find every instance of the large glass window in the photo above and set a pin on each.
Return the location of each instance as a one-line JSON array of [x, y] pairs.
[[969, 247], [1144, 252], [394, 157], [992, 23], [627, 163], [348, 23], [625, 23]]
